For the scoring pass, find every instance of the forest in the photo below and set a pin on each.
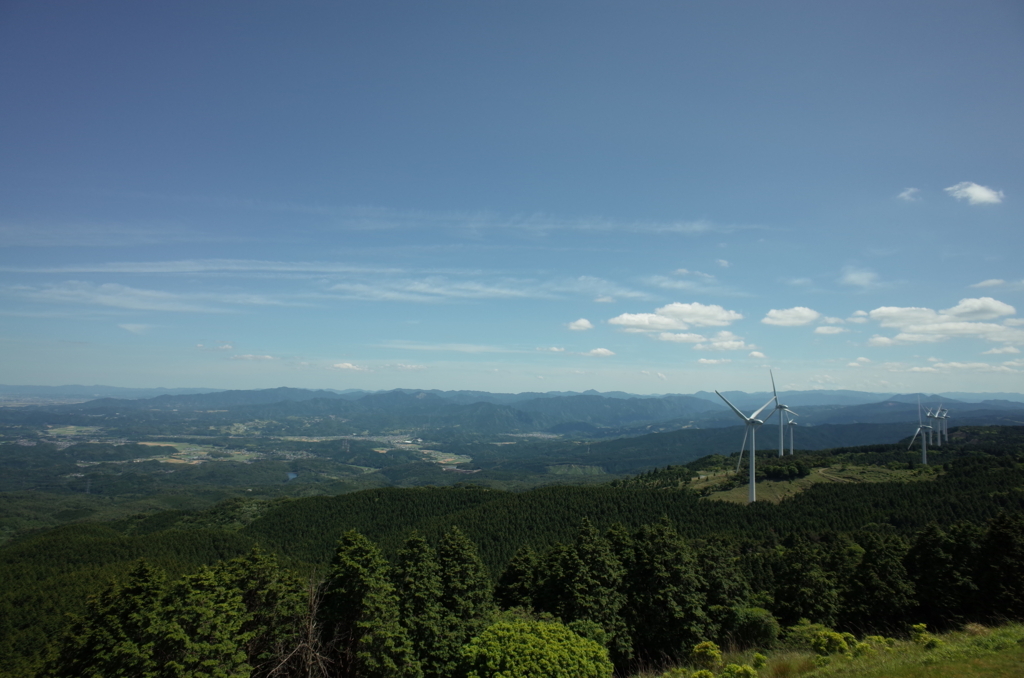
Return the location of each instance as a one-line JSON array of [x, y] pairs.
[[445, 581]]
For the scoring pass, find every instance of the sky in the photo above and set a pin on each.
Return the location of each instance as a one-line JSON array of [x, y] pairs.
[[652, 197]]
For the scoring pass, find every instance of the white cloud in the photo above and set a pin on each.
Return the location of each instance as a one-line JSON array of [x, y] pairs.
[[403, 366], [1014, 363], [853, 364], [600, 352], [722, 262], [1014, 322], [683, 338], [135, 328], [858, 317], [713, 361], [1002, 350], [581, 324], [791, 317], [832, 321], [350, 367], [659, 375], [991, 282], [859, 277], [725, 341], [974, 367], [552, 349], [756, 354], [250, 356], [909, 194], [975, 194], [916, 324], [605, 300], [830, 329], [677, 316], [863, 360]]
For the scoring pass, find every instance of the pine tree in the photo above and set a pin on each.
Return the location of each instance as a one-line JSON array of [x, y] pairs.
[[880, 595], [417, 578], [116, 635], [803, 588], [1001, 567], [465, 596], [518, 584], [667, 608], [360, 615]]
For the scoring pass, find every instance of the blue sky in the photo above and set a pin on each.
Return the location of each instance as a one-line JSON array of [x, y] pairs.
[[656, 197]]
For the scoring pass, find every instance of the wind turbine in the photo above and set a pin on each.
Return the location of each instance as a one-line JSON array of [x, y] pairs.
[[920, 429], [944, 429], [752, 423], [790, 423], [780, 408]]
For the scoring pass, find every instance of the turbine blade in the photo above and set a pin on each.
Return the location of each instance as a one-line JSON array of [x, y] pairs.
[[754, 415], [746, 430], [774, 392], [738, 413], [914, 438]]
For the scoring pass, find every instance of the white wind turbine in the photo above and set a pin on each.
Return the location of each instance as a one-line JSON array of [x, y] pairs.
[[790, 423], [752, 423], [944, 429], [780, 408], [921, 427]]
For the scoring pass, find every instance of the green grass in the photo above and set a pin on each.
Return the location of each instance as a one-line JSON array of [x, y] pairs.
[[776, 491], [977, 652]]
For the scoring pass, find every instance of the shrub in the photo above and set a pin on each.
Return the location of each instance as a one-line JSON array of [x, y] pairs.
[[828, 643], [760, 661], [706, 655], [822, 661], [800, 635], [862, 649], [919, 633], [738, 671], [521, 649], [752, 627], [703, 673]]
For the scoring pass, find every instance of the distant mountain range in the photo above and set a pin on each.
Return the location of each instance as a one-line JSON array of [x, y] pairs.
[[580, 415]]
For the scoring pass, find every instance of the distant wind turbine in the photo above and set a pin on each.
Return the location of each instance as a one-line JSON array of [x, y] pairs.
[[921, 427], [752, 423], [790, 423], [780, 408]]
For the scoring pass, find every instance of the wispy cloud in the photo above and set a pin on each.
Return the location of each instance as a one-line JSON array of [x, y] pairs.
[[910, 195], [250, 356], [724, 341], [791, 317], [830, 329], [975, 194], [453, 348], [135, 328], [350, 367], [599, 352], [713, 361], [859, 277], [114, 295]]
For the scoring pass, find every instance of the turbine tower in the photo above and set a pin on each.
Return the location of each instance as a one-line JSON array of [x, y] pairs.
[[752, 423], [921, 427], [780, 408], [790, 423]]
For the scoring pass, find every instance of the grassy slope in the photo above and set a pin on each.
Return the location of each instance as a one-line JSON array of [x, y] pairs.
[[983, 653], [776, 491]]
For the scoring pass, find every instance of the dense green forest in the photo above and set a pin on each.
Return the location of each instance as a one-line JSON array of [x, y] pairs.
[[643, 568]]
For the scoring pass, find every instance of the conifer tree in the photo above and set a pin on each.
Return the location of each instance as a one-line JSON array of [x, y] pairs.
[[880, 594], [465, 595], [518, 584], [666, 608], [803, 589], [417, 578], [203, 634], [1001, 567], [115, 636], [360, 613]]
